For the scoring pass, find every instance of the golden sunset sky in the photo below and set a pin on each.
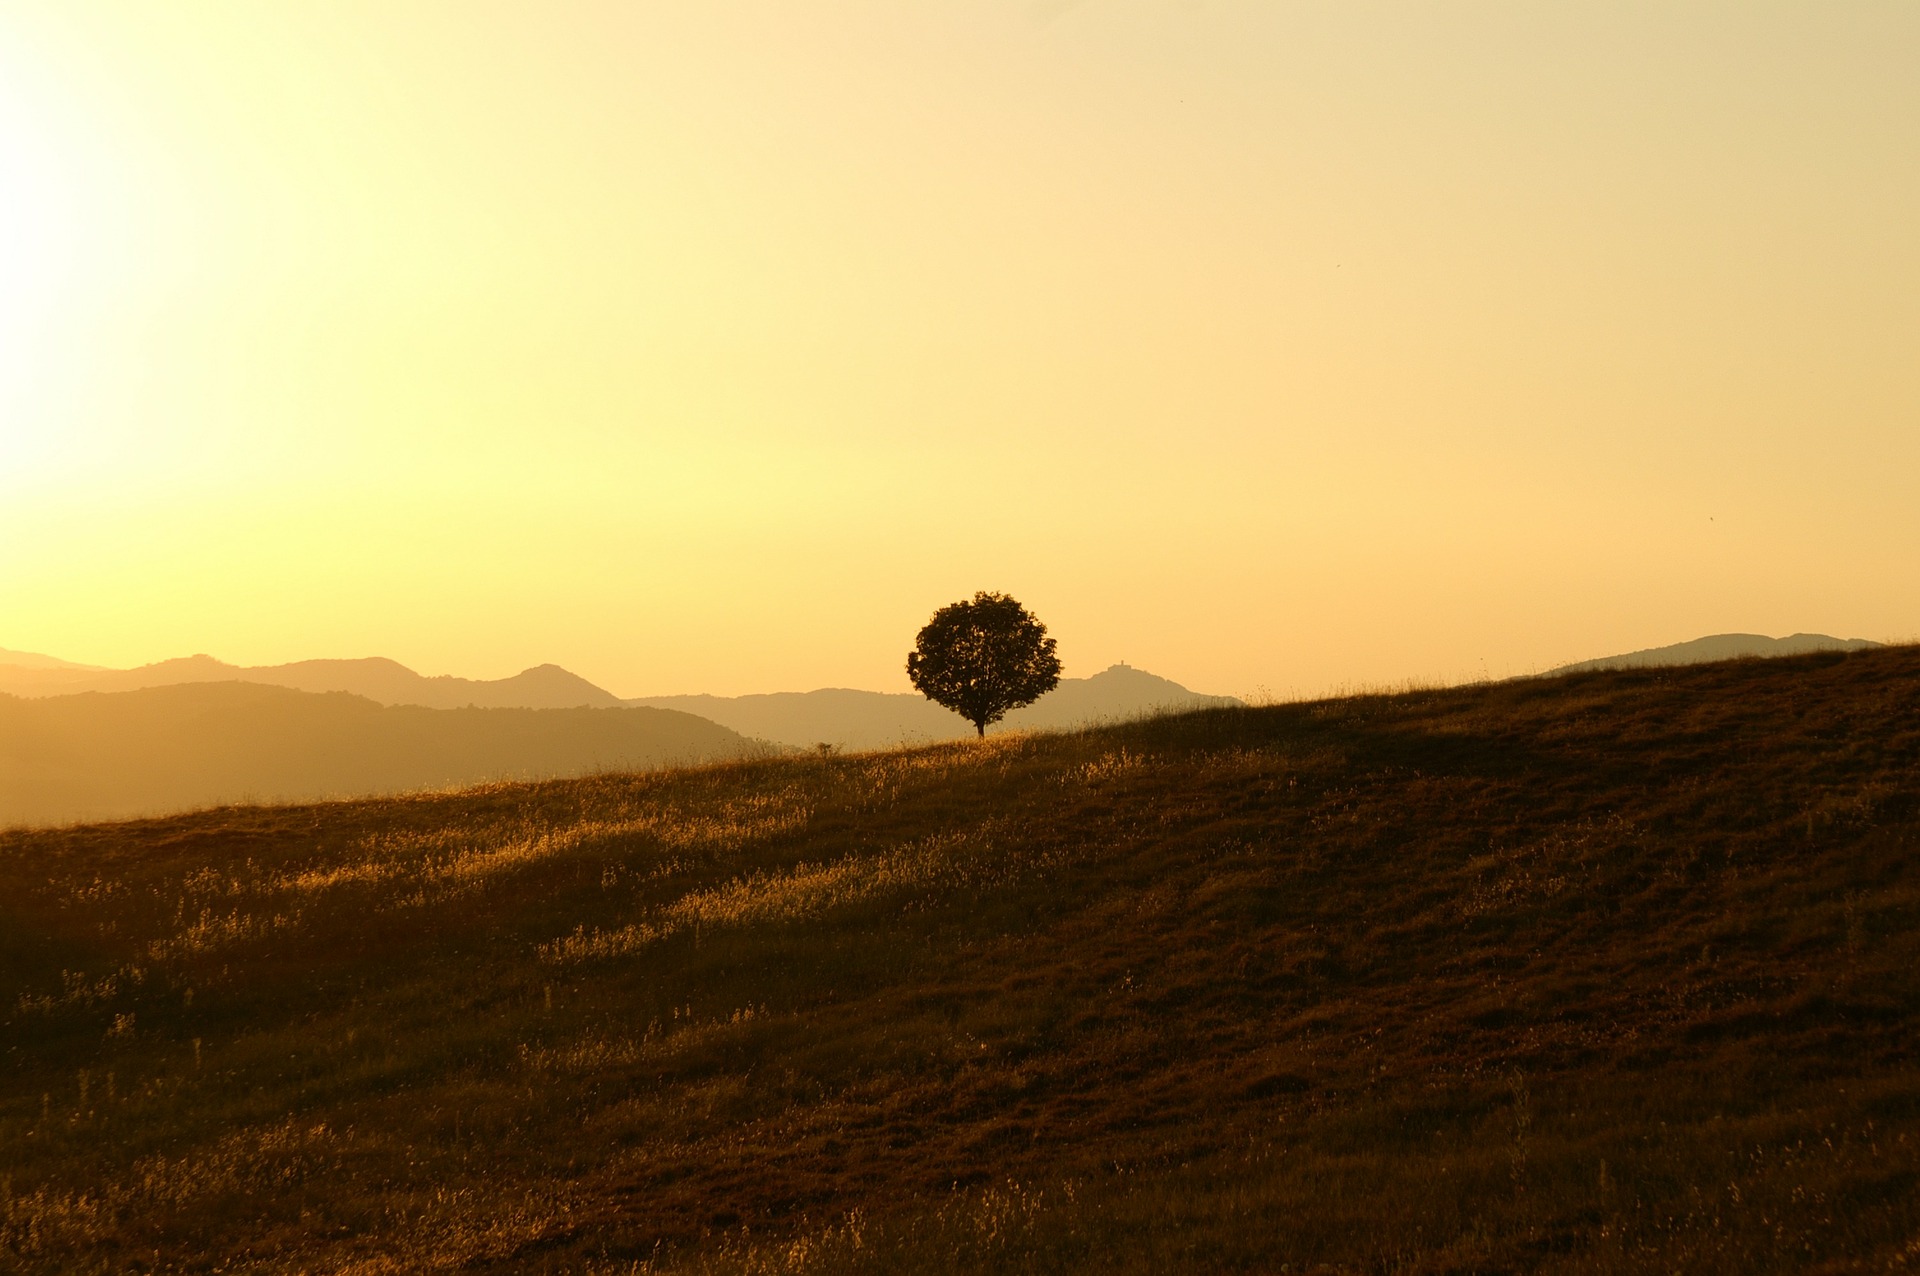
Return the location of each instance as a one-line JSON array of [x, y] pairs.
[[711, 346]]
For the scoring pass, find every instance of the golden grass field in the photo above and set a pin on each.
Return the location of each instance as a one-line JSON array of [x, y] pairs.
[[1616, 972]]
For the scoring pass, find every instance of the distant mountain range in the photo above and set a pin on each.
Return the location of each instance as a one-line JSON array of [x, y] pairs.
[[878, 720], [155, 750], [801, 719], [383, 681], [1719, 647]]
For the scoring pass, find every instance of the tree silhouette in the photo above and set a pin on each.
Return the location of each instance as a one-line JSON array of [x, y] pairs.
[[982, 658]]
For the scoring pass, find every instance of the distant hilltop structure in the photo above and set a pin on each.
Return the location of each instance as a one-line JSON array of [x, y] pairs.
[[1718, 647]]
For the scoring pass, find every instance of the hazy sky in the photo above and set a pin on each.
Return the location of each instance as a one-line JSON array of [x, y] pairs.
[[710, 347]]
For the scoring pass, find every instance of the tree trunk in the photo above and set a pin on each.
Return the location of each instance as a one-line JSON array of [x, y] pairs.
[[981, 727]]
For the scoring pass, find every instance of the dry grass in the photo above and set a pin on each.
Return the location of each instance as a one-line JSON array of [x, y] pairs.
[[1609, 973]]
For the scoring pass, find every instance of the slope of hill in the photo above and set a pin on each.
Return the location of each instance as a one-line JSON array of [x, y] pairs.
[[380, 680], [34, 660], [878, 720], [1718, 647], [1616, 972], [111, 755]]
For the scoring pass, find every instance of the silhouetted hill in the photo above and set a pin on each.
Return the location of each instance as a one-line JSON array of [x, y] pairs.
[[541, 687], [1719, 647], [110, 755], [878, 720], [1116, 694], [383, 681], [1610, 973]]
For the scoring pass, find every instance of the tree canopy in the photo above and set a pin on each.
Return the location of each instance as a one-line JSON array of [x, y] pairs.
[[982, 658]]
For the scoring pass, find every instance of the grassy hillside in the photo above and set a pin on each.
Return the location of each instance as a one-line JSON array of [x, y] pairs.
[[164, 749], [1614, 972]]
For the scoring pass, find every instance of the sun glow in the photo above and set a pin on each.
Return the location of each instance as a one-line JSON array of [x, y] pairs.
[[38, 220], [42, 212], [71, 267], [42, 221]]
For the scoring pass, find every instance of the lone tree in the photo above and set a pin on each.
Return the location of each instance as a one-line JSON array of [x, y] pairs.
[[982, 658]]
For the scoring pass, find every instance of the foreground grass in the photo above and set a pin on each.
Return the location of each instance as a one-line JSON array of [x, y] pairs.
[[1602, 974]]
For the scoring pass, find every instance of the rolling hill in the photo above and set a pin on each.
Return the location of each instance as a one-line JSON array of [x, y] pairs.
[[850, 719], [1615, 972], [169, 748]]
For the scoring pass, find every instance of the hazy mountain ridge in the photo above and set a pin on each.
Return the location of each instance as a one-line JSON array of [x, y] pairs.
[[376, 678], [850, 719], [170, 748], [842, 717], [34, 660], [1719, 647]]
